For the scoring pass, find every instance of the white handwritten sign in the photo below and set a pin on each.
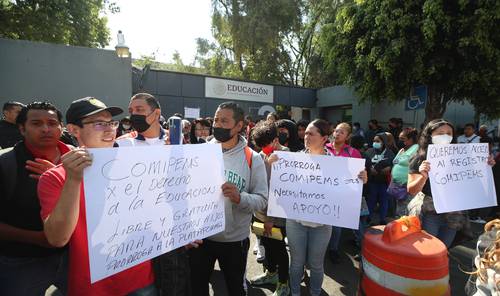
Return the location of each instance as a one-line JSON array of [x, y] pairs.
[[142, 202], [316, 188], [460, 177]]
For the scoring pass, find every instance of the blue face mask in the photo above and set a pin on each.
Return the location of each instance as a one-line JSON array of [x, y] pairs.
[[377, 145]]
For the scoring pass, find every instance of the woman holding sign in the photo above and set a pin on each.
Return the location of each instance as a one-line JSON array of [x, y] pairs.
[[308, 241], [443, 226]]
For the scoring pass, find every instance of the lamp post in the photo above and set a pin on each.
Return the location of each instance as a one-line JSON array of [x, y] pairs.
[[121, 49]]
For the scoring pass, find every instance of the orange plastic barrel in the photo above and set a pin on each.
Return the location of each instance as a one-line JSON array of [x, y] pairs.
[[401, 259]]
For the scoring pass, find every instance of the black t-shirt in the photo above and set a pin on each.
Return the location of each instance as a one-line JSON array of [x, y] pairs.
[[22, 208], [415, 162], [9, 134]]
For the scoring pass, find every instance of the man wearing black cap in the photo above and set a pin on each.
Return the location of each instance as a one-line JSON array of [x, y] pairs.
[[62, 202], [28, 264]]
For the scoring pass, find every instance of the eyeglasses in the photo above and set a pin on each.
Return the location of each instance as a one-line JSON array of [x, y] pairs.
[[103, 125]]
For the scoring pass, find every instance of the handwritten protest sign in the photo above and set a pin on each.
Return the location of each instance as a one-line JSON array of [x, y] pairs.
[[460, 177], [316, 188], [142, 202]]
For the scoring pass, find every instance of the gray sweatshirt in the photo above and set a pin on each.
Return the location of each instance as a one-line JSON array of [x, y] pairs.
[[252, 183]]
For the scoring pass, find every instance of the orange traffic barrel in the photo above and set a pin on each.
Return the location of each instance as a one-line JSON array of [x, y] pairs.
[[401, 259]]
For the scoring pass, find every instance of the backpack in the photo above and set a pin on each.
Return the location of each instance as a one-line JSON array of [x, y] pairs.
[[248, 156]]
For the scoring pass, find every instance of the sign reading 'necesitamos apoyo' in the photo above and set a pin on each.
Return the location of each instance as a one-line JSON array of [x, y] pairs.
[[238, 90], [142, 202], [316, 188], [460, 177]]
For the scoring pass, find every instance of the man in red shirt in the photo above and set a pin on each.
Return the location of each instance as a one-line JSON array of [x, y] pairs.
[[62, 202]]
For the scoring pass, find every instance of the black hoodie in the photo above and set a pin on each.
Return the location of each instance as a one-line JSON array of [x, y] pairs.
[[380, 159]]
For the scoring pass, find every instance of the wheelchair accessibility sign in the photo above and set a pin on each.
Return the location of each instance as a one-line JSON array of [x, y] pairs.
[[418, 99]]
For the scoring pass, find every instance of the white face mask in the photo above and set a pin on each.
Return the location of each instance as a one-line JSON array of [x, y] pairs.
[[441, 139], [126, 126]]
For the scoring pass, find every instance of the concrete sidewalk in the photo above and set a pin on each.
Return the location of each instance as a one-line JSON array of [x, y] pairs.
[[343, 278]]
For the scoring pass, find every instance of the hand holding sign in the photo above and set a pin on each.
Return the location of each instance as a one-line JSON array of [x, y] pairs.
[[75, 161], [231, 191]]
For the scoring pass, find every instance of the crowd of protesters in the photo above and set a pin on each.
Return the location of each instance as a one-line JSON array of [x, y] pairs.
[[43, 230]]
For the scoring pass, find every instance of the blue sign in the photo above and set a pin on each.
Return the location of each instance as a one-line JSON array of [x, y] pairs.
[[418, 99]]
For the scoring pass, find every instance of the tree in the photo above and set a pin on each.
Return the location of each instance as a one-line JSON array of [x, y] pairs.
[[272, 41], [384, 48], [71, 22]]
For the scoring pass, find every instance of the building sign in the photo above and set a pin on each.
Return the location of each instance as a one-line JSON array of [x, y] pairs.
[[238, 90], [418, 99]]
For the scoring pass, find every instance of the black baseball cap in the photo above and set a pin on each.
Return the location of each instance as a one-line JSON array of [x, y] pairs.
[[85, 107]]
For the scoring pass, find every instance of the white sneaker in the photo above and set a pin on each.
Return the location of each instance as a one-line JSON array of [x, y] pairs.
[[261, 254], [478, 220], [256, 246]]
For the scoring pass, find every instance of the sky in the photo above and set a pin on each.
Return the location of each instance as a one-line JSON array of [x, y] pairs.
[[161, 27]]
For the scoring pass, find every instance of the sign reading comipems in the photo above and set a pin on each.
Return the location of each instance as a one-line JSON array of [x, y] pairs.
[[316, 188], [238, 90], [460, 177], [142, 202]]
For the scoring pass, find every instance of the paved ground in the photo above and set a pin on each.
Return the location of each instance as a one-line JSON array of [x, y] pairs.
[[342, 279]]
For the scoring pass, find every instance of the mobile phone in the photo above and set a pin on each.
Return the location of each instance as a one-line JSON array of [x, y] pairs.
[[175, 130]]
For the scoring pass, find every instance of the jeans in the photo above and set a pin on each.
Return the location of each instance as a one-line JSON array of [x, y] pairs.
[[232, 257], [29, 276], [146, 291], [436, 225], [360, 232], [378, 193], [307, 244], [335, 238]]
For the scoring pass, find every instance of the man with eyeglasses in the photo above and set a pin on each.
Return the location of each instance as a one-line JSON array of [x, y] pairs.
[[62, 202], [28, 263], [172, 268]]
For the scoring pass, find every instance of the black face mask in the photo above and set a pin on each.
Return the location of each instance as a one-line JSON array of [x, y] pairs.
[[139, 122], [222, 134], [283, 138], [401, 144]]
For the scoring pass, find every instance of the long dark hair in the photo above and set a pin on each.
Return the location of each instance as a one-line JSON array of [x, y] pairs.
[[426, 135]]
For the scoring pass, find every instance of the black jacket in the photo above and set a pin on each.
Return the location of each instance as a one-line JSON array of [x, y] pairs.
[[20, 206], [9, 134]]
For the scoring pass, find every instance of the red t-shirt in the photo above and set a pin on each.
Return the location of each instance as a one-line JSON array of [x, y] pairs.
[[49, 190]]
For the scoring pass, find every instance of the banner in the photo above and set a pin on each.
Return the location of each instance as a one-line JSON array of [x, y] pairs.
[[142, 202], [460, 177], [316, 188], [238, 90]]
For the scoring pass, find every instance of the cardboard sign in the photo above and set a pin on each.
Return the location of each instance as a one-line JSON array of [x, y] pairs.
[[460, 177], [142, 202], [316, 188]]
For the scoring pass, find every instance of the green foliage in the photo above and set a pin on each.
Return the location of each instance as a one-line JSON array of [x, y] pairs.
[[176, 65], [272, 41], [385, 47], [71, 22]]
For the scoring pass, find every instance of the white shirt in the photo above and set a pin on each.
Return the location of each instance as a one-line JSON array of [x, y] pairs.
[[140, 140], [465, 140]]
